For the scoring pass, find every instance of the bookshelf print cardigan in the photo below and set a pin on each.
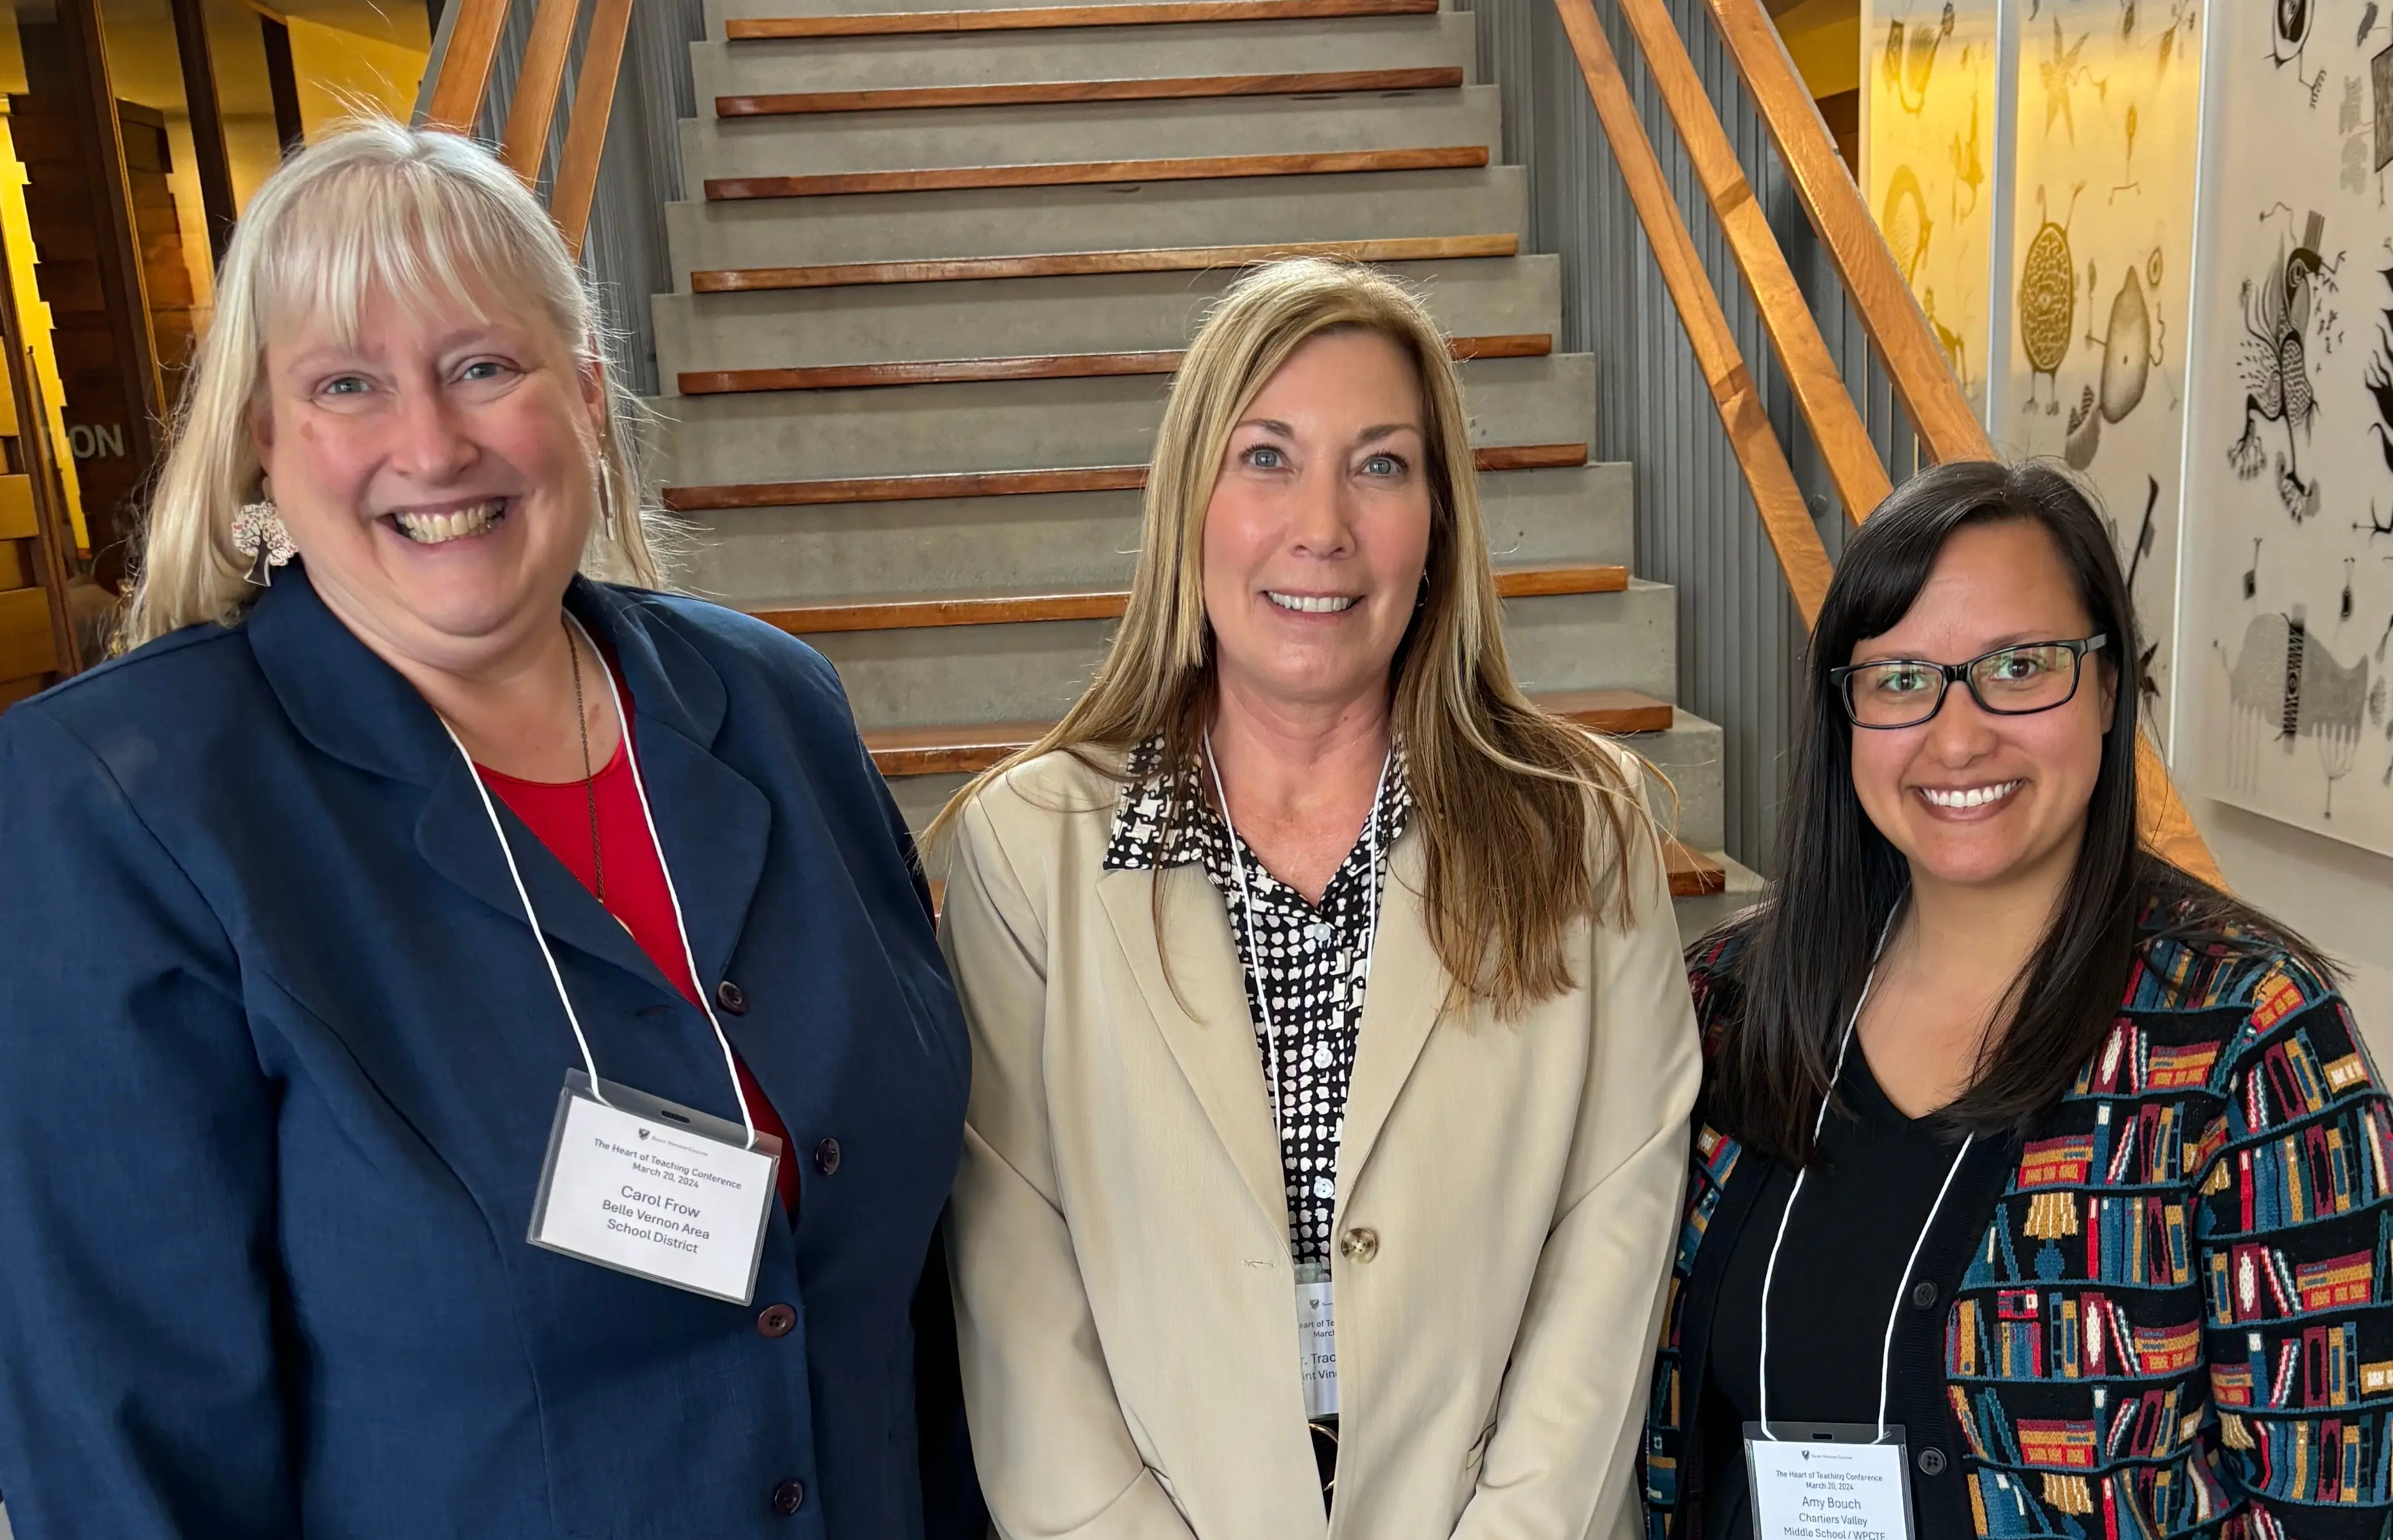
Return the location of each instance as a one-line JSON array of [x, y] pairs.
[[2161, 1312]]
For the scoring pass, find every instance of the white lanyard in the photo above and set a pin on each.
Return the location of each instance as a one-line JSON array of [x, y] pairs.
[[1885, 1359], [1254, 932], [681, 929]]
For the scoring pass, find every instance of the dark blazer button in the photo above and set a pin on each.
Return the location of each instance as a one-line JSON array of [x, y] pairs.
[[827, 1157], [1931, 1461], [775, 1321], [788, 1498], [1923, 1294], [728, 996]]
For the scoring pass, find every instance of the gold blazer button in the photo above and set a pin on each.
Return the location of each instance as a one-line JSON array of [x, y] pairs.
[[1359, 1245]]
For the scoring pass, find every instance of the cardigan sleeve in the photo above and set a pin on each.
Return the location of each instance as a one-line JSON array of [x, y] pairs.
[[2297, 1217], [1053, 1450], [140, 1395]]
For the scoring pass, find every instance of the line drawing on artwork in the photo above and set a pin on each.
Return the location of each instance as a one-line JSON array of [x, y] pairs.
[[2132, 347], [2290, 35], [2061, 71], [1910, 59], [2047, 299], [2274, 361], [2284, 686]]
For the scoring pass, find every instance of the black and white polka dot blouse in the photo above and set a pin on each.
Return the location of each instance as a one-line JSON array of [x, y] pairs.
[[1309, 958]]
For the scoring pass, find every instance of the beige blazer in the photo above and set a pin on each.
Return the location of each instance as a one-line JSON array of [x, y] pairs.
[[1508, 1201]]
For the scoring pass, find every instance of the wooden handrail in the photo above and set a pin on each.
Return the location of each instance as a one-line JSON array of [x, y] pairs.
[[1819, 394], [1779, 502], [1922, 378], [524, 142], [585, 132], [455, 104], [465, 76]]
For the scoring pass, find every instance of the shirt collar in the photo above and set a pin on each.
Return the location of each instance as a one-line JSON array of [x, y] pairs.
[[1163, 818]]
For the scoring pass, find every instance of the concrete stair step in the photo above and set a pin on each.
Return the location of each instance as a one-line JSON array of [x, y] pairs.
[[1039, 425], [1045, 17], [943, 751], [918, 610], [969, 484], [1694, 875], [844, 74], [921, 675], [1179, 259], [1049, 366], [1740, 888], [886, 237], [1101, 313], [927, 766], [832, 143], [1185, 168], [1079, 540]]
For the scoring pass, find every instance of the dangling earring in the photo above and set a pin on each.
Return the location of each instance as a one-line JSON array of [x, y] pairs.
[[258, 533]]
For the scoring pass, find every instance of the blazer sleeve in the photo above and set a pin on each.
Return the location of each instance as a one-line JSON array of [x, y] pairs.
[[139, 1397], [1560, 1465], [1053, 1452]]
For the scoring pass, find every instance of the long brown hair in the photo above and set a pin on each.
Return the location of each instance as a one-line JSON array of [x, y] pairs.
[[1524, 815]]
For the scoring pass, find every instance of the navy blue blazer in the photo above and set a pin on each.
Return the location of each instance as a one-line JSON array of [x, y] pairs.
[[278, 1061]]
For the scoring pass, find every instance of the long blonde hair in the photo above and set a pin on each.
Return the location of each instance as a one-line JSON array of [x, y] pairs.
[[430, 219], [1520, 811]]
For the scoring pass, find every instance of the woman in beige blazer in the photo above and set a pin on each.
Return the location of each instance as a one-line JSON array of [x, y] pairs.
[[1214, 1189]]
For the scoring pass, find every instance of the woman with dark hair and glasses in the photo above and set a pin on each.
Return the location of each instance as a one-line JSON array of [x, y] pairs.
[[2039, 1188]]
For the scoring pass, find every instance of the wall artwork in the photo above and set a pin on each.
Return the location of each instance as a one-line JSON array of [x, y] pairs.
[[2288, 580], [1929, 123], [2093, 369]]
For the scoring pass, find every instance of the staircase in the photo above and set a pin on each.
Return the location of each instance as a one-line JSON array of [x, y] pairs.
[[936, 269]]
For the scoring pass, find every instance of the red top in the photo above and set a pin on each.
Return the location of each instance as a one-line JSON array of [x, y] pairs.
[[635, 895]]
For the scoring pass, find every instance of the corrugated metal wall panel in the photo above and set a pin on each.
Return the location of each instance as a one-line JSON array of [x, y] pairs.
[[1740, 640]]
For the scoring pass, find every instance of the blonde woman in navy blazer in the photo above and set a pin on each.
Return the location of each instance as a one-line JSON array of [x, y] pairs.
[[279, 1052]]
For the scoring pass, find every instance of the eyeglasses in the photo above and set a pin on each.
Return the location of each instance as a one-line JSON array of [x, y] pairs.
[[2016, 681]]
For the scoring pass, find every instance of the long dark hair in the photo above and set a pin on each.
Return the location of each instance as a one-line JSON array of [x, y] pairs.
[[1809, 950]]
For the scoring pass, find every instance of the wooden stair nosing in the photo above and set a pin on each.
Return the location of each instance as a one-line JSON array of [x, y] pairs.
[[1087, 479], [1049, 366], [1692, 873], [1046, 18], [1166, 259], [924, 610], [1197, 169], [901, 751], [1046, 93]]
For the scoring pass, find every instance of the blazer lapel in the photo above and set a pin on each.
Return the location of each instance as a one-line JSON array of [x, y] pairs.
[[1401, 1004], [454, 834], [1215, 1048]]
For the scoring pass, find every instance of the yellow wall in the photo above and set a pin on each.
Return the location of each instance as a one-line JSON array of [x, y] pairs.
[[34, 315], [343, 72], [1824, 39]]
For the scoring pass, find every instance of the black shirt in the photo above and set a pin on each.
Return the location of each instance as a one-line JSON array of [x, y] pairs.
[[1862, 1208]]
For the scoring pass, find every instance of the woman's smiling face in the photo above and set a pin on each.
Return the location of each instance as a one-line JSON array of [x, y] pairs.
[[1970, 797], [439, 472], [1318, 532]]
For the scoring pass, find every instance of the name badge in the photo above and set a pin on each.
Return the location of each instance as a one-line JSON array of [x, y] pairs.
[[1828, 1480], [656, 1189], [1316, 1341]]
